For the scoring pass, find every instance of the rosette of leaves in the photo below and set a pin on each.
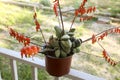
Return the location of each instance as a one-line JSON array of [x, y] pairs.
[[62, 45]]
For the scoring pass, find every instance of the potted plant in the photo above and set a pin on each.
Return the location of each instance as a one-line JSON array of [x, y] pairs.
[[59, 49]]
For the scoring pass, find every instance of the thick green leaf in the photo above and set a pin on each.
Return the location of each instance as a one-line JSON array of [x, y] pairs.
[[51, 38], [76, 50], [65, 37], [58, 31], [54, 43], [57, 53], [44, 51], [77, 42], [67, 44], [72, 30], [63, 54], [70, 34]]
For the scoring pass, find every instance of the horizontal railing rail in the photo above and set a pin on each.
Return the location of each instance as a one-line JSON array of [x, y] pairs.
[[40, 63]]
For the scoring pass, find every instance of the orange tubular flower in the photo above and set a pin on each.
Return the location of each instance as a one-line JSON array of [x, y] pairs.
[[93, 39], [36, 21], [76, 12], [94, 8], [55, 7], [21, 38], [23, 51], [82, 11], [91, 9], [85, 18], [105, 34], [37, 25], [108, 59], [35, 49], [117, 30], [104, 54], [29, 51]]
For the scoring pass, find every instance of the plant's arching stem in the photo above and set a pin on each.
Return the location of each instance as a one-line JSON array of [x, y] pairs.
[[59, 20], [100, 45], [98, 34], [61, 17], [43, 36], [72, 22]]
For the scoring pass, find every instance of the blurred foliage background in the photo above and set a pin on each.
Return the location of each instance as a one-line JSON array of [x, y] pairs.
[[88, 60]]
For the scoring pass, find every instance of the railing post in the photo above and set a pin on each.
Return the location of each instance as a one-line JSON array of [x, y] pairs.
[[14, 69], [56, 78], [0, 76], [34, 73]]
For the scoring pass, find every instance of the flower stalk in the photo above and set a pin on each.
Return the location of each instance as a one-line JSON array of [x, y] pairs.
[[37, 24], [43, 36], [61, 16], [72, 22]]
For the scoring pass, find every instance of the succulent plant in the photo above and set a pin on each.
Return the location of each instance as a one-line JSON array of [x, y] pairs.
[[62, 45]]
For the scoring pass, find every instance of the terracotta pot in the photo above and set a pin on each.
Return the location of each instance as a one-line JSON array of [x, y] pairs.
[[58, 66]]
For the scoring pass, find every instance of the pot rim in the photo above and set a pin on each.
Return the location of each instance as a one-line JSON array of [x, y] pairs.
[[58, 58]]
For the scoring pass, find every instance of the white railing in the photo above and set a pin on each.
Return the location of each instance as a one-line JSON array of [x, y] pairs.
[[39, 63]]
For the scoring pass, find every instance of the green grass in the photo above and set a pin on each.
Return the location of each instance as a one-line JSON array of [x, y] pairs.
[[15, 15]]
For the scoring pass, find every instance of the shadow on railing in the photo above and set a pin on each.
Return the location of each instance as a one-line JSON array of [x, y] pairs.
[[40, 63]]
